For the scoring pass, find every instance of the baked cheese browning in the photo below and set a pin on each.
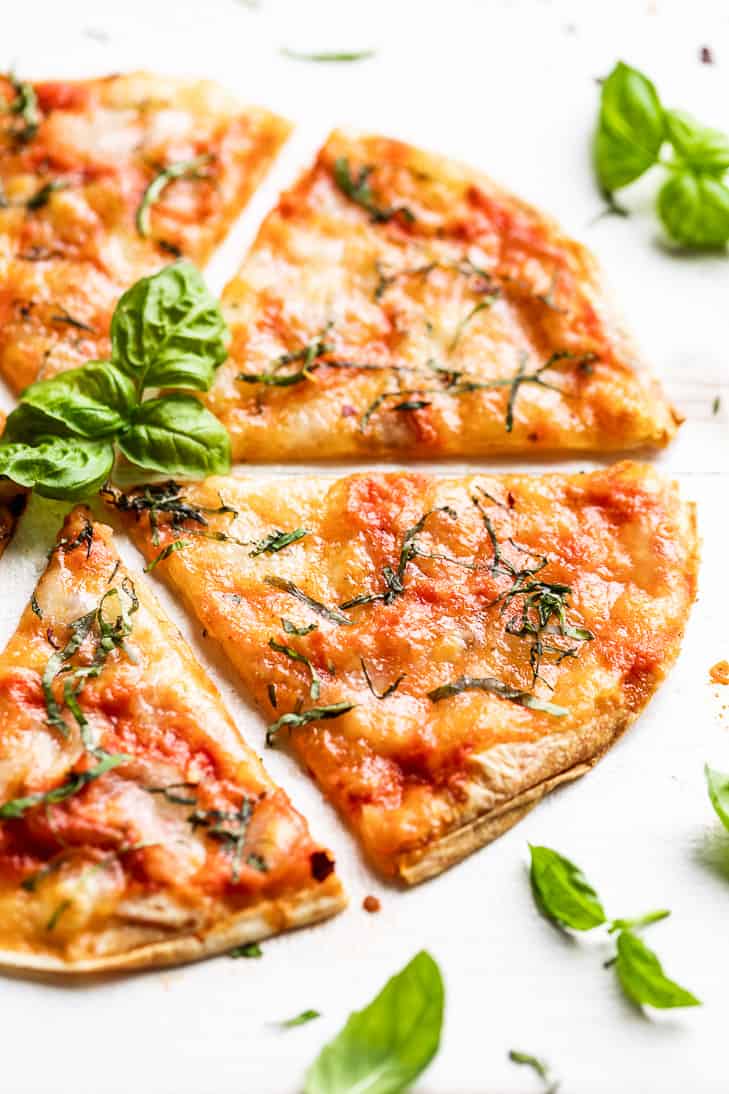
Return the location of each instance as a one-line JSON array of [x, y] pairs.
[[398, 304], [136, 827], [109, 180], [438, 652]]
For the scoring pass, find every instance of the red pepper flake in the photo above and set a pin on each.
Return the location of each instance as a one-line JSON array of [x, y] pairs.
[[706, 56], [511, 500], [322, 865], [371, 904]]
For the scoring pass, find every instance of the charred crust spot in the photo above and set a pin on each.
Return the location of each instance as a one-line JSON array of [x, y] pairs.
[[322, 865]]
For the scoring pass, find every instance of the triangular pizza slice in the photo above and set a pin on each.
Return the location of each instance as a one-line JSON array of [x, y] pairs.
[[136, 827], [398, 304], [438, 652], [103, 181], [12, 503]]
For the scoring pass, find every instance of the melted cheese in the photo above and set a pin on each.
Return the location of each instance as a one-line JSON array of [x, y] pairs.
[[404, 770], [116, 865], [401, 296], [74, 255]]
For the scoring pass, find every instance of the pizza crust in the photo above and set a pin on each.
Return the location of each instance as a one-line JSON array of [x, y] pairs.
[[251, 925]]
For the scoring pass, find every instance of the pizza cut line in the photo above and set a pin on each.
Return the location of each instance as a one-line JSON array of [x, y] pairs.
[[439, 653], [396, 304], [103, 181], [136, 827]]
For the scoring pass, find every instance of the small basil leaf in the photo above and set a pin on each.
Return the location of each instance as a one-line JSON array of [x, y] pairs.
[[93, 401], [700, 147], [58, 467], [562, 892], [168, 331], [718, 785], [177, 436], [631, 128], [642, 978], [383, 1048], [694, 209]]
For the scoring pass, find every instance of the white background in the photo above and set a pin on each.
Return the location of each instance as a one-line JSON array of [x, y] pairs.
[[511, 88]]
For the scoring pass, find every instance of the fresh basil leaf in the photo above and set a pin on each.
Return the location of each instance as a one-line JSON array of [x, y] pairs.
[[177, 436], [642, 978], [718, 786], [383, 1048], [58, 467], [700, 147], [631, 128], [168, 331], [300, 1019], [638, 921], [694, 209], [562, 892], [93, 401]]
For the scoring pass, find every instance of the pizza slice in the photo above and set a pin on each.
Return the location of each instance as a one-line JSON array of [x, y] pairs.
[[103, 181], [136, 827], [438, 653], [397, 304]]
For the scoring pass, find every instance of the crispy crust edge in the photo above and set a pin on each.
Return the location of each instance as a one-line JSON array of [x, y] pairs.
[[253, 924], [523, 775]]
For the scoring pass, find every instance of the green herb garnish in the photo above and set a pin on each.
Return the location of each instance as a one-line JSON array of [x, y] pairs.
[[300, 1019], [25, 107], [495, 687], [304, 717], [358, 190], [170, 549], [294, 655], [332, 614], [384, 1047], [58, 912], [166, 332], [328, 56], [300, 632], [189, 169], [229, 829], [42, 196], [642, 977], [248, 949], [388, 690], [636, 132], [718, 786], [539, 1066], [18, 807], [276, 541], [172, 795]]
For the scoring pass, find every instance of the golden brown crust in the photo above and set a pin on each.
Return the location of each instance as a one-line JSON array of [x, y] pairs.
[[183, 846], [424, 781], [456, 287], [66, 258]]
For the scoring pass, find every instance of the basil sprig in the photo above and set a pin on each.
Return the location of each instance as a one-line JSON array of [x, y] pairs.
[[717, 783], [563, 894], [383, 1048], [167, 332], [636, 132]]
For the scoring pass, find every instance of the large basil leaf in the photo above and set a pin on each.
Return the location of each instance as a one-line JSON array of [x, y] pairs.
[[695, 209], [58, 467], [26, 425], [177, 436], [168, 331], [642, 978], [700, 147], [718, 786], [93, 401], [631, 128], [383, 1048], [562, 892]]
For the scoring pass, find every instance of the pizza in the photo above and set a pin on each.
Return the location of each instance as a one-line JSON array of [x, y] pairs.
[[136, 826], [103, 181], [397, 304], [12, 503], [439, 653]]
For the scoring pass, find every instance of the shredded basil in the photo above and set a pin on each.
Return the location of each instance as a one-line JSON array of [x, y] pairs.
[[153, 192]]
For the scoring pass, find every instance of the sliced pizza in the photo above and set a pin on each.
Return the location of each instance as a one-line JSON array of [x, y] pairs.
[[439, 653], [103, 181], [136, 827], [398, 304], [12, 503]]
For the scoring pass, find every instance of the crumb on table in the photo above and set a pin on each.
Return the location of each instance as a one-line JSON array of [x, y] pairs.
[[371, 904]]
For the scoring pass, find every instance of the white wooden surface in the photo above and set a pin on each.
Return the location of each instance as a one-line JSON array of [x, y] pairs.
[[511, 88]]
